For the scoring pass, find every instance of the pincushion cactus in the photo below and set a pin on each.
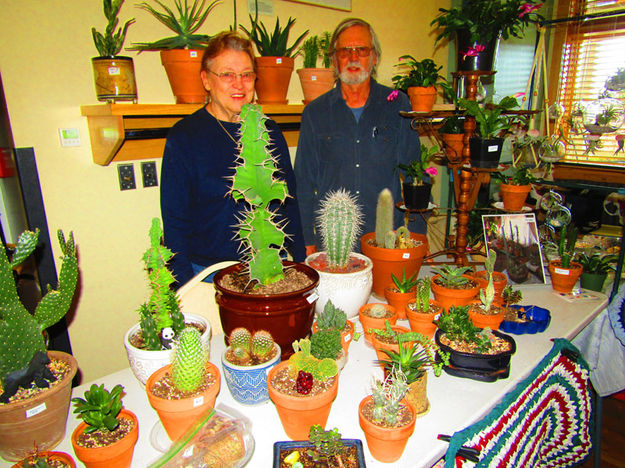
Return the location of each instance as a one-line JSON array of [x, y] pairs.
[[21, 334], [251, 349], [189, 361]]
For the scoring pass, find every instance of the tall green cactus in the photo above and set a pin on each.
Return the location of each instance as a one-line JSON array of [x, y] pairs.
[[189, 362], [340, 219], [384, 216], [255, 182], [487, 295], [20, 332]]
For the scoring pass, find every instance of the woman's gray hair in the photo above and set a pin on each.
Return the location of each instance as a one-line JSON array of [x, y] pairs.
[[348, 23]]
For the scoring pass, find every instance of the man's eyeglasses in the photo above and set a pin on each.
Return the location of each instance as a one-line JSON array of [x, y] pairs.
[[230, 77], [346, 52]]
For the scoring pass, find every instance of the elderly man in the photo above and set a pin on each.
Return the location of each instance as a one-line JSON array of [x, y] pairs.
[[353, 136]]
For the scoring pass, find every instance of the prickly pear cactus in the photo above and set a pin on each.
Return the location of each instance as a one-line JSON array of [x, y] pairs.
[[383, 216], [189, 363], [20, 332], [256, 183], [339, 221]]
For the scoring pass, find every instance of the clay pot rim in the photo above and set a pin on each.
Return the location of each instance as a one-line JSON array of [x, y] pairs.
[[368, 305], [55, 454], [368, 265], [131, 437], [390, 433], [382, 251], [459, 290], [293, 402], [159, 372]]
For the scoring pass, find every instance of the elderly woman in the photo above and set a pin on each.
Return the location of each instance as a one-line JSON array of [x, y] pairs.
[[198, 215]]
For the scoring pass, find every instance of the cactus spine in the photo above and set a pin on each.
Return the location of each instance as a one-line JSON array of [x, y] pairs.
[[189, 362], [339, 221], [255, 182], [384, 217], [20, 332]]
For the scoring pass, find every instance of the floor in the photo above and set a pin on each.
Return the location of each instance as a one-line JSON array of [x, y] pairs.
[[612, 435]]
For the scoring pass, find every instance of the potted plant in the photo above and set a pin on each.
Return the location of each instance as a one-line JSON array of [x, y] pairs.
[[345, 276], [303, 389], [418, 78], [316, 81], [485, 313], [596, 267], [499, 279], [46, 459], [148, 343], [36, 415], [391, 251], [475, 353], [386, 339], [386, 417], [564, 271], [401, 292], [184, 390], [416, 191], [477, 26], [326, 343], [492, 123], [332, 317], [422, 311], [275, 64], [452, 133], [515, 187], [374, 315], [181, 54], [322, 447], [114, 75], [261, 293], [246, 362], [452, 285], [108, 433]]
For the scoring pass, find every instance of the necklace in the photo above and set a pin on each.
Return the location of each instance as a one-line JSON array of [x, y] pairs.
[[227, 132]]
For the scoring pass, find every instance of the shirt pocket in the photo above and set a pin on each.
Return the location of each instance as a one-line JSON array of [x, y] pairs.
[[384, 140]]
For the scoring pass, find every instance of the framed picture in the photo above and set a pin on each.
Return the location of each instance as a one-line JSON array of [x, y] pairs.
[[345, 5], [514, 239]]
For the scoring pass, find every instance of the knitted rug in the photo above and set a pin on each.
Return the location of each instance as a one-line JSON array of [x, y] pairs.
[[544, 422]]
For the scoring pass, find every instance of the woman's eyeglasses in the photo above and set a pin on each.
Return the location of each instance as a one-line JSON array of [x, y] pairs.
[[346, 52], [230, 77]]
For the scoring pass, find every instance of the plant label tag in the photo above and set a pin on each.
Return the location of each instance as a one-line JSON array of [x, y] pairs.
[[347, 337], [36, 410], [313, 78], [492, 148], [405, 255], [197, 401], [312, 297], [188, 452], [437, 316], [113, 70], [562, 271], [193, 53], [279, 60]]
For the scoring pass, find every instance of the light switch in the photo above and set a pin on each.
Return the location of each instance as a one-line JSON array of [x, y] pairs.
[[126, 173], [69, 137]]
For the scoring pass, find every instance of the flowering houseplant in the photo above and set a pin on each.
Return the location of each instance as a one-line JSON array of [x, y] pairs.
[[417, 73], [418, 168]]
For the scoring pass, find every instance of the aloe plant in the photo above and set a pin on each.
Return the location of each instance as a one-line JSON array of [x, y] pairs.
[[274, 44], [414, 361], [111, 42], [451, 275], [405, 284]]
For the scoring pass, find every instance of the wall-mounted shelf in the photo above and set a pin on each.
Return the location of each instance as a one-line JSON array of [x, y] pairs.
[[127, 132]]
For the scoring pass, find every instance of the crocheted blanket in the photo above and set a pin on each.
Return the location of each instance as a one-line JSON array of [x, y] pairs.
[[544, 422]]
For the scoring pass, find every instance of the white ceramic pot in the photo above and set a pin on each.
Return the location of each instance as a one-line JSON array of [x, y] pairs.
[[347, 291], [143, 362]]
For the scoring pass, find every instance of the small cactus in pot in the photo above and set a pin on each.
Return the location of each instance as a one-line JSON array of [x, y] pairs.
[[250, 349], [189, 363]]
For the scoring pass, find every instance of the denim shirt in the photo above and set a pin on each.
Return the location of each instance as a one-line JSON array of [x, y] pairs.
[[335, 151]]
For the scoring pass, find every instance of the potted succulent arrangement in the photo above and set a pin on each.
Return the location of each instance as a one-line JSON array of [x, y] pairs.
[[596, 267], [275, 64], [36, 383], [108, 434], [452, 133], [345, 276], [499, 279], [148, 343], [46, 459], [492, 122], [246, 362], [114, 75], [262, 293], [422, 311], [485, 312], [386, 417], [452, 285], [401, 292], [564, 271], [386, 338], [332, 317], [375, 315], [419, 79], [416, 191], [515, 187], [475, 353], [316, 81], [181, 54], [326, 343], [184, 390], [477, 26], [391, 251], [303, 389]]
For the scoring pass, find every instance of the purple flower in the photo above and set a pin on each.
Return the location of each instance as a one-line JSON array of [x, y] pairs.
[[392, 96]]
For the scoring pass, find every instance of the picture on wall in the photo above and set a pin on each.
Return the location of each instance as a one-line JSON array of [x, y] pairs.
[[514, 238], [345, 5]]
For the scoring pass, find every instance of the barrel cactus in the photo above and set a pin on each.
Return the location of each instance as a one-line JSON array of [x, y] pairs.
[[189, 361], [250, 349]]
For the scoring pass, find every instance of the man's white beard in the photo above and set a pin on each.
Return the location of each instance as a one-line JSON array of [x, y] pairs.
[[354, 77]]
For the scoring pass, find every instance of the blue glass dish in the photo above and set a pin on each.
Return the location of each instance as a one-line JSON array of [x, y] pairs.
[[538, 321]]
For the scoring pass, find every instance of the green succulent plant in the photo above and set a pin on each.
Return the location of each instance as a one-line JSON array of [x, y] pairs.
[[99, 408], [331, 317], [597, 262], [251, 349], [414, 361], [491, 120], [457, 326], [519, 176], [385, 236], [566, 245], [189, 361], [511, 296], [274, 44], [377, 310], [422, 299], [111, 42], [328, 444], [451, 275], [487, 295], [326, 343], [303, 360], [387, 395], [405, 284]]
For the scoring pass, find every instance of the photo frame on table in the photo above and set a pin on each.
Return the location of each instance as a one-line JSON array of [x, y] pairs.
[[345, 5], [515, 240]]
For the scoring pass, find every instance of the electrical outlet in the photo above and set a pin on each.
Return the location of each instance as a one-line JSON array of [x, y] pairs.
[[126, 174], [148, 173]]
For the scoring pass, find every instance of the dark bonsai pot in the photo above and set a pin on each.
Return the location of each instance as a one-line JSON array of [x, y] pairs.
[[290, 446], [485, 152], [416, 197], [482, 61]]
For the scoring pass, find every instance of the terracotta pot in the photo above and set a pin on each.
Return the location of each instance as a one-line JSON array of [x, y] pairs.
[[386, 444], [422, 98], [273, 75], [514, 196], [347, 334], [393, 261], [183, 70], [50, 456], [458, 297], [417, 395], [381, 346], [297, 414], [114, 78], [423, 323], [315, 82], [399, 300], [178, 415], [563, 279], [369, 322], [288, 317], [491, 321], [117, 455], [38, 420], [454, 144], [500, 281]]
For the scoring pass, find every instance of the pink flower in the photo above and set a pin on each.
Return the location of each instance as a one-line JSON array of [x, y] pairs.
[[534, 133], [518, 95], [431, 171], [392, 96], [527, 8], [473, 51]]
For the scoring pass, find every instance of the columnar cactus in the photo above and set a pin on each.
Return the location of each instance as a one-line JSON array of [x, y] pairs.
[[423, 294], [384, 216], [488, 295], [20, 332], [255, 182], [189, 362], [339, 221]]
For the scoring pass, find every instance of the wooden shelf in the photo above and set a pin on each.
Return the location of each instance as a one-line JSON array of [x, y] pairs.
[[127, 132]]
